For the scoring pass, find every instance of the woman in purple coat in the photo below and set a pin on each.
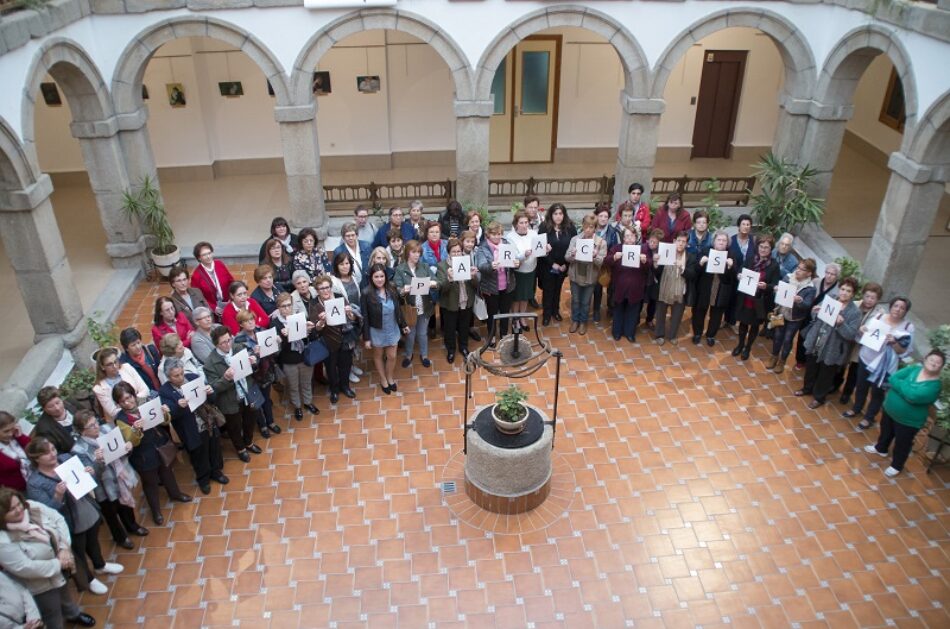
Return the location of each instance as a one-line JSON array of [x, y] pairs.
[[628, 285]]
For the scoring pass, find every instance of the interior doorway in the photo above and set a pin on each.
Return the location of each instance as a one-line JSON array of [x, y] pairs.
[[525, 92], [719, 90]]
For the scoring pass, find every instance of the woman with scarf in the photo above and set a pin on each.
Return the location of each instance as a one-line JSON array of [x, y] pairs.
[[456, 299], [340, 338], [115, 481], [876, 366], [280, 232], [241, 301], [869, 306], [290, 358], [35, 548], [212, 277], [522, 237], [713, 291], [384, 324], [414, 266], [109, 373], [309, 257], [266, 291], [14, 464], [828, 346], [676, 290], [553, 267], [201, 344], [826, 286], [628, 286], [356, 248], [264, 374], [802, 281], [497, 285], [583, 273], [752, 310]]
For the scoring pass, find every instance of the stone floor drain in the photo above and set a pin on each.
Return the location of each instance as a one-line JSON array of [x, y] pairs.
[[448, 487]]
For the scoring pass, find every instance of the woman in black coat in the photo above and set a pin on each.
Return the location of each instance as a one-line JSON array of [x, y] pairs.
[[713, 290], [752, 310], [552, 268]]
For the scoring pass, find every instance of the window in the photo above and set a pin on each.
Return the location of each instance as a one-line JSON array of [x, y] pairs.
[[892, 109], [534, 82], [498, 87]]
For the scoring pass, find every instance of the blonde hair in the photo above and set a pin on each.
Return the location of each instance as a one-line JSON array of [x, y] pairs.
[[589, 221]]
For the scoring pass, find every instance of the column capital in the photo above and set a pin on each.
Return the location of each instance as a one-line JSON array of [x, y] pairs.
[[631, 105], [28, 198], [94, 129], [915, 172], [296, 113], [474, 108], [815, 110], [133, 120]]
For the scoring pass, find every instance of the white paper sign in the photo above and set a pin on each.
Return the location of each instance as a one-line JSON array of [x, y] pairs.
[[330, 245], [876, 334], [748, 282], [195, 392], [296, 326], [78, 481], [829, 310], [507, 255], [268, 341], [419, 286], [152, 414], [113, 446], [585, 250], [461, 268], [785, 295], [667, 254], [241, 364], [336, 311], [539, 245], [631, 256], [717, 261]]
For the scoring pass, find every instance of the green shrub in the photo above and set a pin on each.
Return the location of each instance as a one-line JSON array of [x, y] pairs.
[[784, 205], [509, 403]]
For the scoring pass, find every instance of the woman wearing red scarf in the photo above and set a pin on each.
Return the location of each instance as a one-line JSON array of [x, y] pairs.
[[752, 310]]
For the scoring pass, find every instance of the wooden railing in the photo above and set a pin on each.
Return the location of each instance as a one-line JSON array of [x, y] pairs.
[[343, 198]]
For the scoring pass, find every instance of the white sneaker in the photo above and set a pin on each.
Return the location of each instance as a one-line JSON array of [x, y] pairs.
[[111, 568], [354, 378], [871, 449], [356, 370], [890, 472], [97, 587]]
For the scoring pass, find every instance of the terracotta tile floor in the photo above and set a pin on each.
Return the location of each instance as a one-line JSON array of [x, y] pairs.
[[689, 490]]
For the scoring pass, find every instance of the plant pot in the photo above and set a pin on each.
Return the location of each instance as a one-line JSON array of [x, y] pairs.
[[164, 263], [507, 427]]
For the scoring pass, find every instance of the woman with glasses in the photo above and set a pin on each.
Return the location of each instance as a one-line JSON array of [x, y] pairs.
[[109, 373], [412, 268], [340, 338], [290, 358], [168, 320], [310, 257], [201, 344], [185, 298], [232, 393], [241, 300], [212, 277]]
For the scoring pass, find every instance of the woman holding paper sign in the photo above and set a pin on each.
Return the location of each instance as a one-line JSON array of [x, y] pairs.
[[585, 253], [715, 287], [81, 514], [497, 285], [522, 237], [871, 294], [553, 267], [828, 346], [116, 480], [299, 375], [628, 284], [875, 366], [384, 323], [146, 457], [339, 337], [752, 309], [803, 289], [241, 301], [264, 374], [676, 290], [232, 393], [411, 269], [456, 299], [109, 373]]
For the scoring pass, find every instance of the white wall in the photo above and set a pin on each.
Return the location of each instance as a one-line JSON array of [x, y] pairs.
[[57, 149], [868, 98]]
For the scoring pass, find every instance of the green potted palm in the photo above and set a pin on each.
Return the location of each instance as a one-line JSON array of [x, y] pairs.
[[784, 203], [145, 204], [510, 412]]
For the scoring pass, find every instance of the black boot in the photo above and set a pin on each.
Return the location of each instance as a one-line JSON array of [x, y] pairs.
[[741, 345]]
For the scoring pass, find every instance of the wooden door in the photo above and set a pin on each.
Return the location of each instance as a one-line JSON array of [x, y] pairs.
[[719, 90]]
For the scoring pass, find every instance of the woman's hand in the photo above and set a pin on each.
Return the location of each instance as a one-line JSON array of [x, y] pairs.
[[761, 285], [547, 248], [229, 373], [405, 330], [643, 258], [495, 264], [450, 274], [310, 327], [183, 403], [60, 491], [368, 344], [517, 263], [703, 260], [209, 389], [798, 299], [138, 423], [433, 284], [252, 359], [405, 290], [99, 455], [618, 255], [284, 330], [728, 263], [166, 409], [128, 447]]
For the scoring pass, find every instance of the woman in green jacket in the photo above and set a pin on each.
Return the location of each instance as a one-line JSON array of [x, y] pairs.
[[912, 390], [456, 300]]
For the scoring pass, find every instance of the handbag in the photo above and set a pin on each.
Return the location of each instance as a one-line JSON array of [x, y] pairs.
[[315, 352], [410, 314], [210, 415], [776, 319], [168, 451], [480, 308], [603, 278], [255, 397]]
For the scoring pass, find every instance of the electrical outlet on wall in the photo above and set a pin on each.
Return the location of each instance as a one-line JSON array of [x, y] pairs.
[[692, 100]]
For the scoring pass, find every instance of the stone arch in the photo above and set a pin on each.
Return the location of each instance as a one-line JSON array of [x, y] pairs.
[[632, 57], [130, 70], [82, 84], [796, 54], [929, 141], [850, 58], [376, 19], [16, 171]]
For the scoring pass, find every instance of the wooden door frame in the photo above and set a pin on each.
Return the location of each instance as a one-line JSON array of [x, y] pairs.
[[744, 56], [557, 39]]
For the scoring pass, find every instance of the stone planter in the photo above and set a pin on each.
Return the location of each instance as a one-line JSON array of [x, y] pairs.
[[507, 427], [164, 263]]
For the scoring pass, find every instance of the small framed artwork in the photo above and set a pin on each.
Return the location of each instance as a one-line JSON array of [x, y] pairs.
[[893, 113], [270, 89], [367, 84], [321, 83], [144, 92], [176, 94], [231, 88], [51, 94]]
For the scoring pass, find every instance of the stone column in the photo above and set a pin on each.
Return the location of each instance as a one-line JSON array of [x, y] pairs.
[[298, 135], [472, 120], [636, 152], [822, 130], [106, 165], [903, 226]]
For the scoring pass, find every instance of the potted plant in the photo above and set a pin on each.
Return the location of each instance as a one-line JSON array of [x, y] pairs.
[[784, 204], [510, 412], [146, 205], [103, 332]]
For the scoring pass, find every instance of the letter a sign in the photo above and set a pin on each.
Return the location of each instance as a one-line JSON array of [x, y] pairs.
[[539, 245], [336, 311], [461, 268]]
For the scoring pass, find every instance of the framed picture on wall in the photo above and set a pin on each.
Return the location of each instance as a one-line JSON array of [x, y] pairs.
[[144, 92], [270, 89], [321, 83], [892, 109], [176, 94], [231, 89], [367, 84], [51, 94]]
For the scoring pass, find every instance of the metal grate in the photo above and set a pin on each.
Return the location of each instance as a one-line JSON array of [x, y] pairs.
[[448, 487]]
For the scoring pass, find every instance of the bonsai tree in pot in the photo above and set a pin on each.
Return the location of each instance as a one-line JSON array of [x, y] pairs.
[[510, 412], [146, 205]]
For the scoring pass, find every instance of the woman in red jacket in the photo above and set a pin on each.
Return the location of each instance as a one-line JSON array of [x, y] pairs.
[[14, 464], [629, 285], [241, 300], [671, 218], [168, 320], [211, 277]]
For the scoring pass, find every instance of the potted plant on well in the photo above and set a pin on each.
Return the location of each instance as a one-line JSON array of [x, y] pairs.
[[146, 205], [510, 412]]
